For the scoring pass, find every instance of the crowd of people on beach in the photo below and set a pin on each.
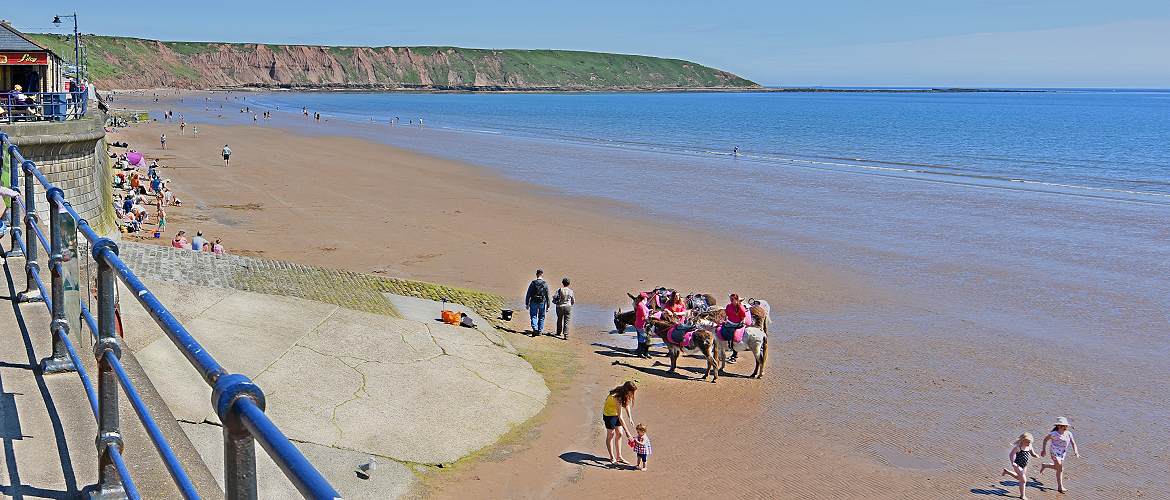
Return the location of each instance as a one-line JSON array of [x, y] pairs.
[[139, 193]]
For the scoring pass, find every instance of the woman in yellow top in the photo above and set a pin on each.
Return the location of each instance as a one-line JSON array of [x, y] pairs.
[[620, 398]]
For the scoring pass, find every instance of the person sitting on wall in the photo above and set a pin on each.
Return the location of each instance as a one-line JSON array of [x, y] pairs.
[[23, 103]]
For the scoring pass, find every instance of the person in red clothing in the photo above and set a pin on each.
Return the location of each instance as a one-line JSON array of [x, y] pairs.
[[676, 306], [641, 313], [737, 314]]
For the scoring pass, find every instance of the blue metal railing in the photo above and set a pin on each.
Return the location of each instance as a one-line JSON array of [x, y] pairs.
[[238, 402], [41, 106]]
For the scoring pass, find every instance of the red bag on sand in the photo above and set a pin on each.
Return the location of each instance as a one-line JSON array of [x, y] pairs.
[[450, 317]]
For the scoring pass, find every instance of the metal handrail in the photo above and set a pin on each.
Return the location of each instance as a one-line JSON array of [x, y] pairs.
[[42, 106], [238, 401]]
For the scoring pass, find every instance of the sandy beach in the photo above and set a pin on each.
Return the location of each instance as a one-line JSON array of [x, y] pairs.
[[845, 410]]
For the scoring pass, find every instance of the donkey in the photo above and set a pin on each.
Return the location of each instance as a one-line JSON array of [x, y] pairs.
[[702, 340], [623, 320], [753, 339]]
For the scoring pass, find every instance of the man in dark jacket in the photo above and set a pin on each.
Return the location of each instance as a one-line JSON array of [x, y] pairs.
[[537, 301]]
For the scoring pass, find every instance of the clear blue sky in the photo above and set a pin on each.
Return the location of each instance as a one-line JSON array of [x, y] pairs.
[[1069, 43]]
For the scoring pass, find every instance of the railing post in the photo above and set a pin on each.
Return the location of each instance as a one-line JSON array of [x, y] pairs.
[[60, 360], [31, 293], [239, 447], [109, 436], [14, 209]]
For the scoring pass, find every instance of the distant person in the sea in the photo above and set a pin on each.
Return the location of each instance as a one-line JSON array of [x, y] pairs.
[[735, 152], [1018, 456], [564, 301], [619, 399], [1061, 441], [537, 301], [198, 242], [227, 156]]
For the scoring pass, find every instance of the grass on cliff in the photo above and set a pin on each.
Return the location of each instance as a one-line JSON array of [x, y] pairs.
[[113, 59]]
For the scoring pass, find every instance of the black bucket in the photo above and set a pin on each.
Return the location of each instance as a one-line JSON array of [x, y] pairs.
[[506, 314]]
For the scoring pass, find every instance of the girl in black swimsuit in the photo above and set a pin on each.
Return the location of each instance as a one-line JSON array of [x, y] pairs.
[[1021, 452]]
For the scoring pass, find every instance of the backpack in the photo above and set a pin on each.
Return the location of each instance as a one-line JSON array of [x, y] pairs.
[[539, 292]]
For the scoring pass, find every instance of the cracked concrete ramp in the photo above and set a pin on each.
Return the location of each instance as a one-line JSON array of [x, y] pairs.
[[344, 384]]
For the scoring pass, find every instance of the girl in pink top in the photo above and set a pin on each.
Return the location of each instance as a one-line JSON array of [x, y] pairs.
[[736, 311], [217, 248], [641, 312], [737, 315]]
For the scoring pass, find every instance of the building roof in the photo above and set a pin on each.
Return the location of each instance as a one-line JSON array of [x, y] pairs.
[[15, 41]]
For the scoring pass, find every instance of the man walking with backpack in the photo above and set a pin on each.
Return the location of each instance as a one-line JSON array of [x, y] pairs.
[[537, 301]]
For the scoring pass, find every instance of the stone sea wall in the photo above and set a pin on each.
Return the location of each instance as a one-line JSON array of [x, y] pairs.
[[72, 155]]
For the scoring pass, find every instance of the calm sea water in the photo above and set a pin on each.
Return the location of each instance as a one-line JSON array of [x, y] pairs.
[[1098, 142], [1035, 221]]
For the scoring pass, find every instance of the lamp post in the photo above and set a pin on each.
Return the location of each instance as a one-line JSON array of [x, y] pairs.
[[76, 48]]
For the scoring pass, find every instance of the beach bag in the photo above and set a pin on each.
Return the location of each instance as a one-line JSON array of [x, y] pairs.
[[450, 317]]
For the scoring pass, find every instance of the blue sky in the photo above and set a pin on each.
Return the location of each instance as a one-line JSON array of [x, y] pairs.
[[1039, 43]]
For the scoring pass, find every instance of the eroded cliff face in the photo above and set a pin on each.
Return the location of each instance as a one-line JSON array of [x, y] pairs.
[[119, 62]]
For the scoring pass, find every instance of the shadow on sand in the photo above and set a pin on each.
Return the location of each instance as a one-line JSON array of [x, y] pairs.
[[1001, 491], [588, 459]]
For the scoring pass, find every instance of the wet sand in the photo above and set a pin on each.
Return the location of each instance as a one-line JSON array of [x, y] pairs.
[[847, 409]]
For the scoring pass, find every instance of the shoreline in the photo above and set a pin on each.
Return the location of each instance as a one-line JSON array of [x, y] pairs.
[[600, 218]]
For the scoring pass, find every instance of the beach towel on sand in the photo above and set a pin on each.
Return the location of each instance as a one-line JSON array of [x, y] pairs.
[[681, 335], [732, 332]]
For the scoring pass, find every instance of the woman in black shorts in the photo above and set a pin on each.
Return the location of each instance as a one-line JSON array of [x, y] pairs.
[[619, 399]]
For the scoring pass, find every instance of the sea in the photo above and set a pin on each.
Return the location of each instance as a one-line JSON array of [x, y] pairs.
[[1031, 226], [1041, 212], [1092, 142]]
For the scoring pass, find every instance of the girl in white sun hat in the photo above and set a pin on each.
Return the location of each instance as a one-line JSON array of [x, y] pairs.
[[1062, 441]]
